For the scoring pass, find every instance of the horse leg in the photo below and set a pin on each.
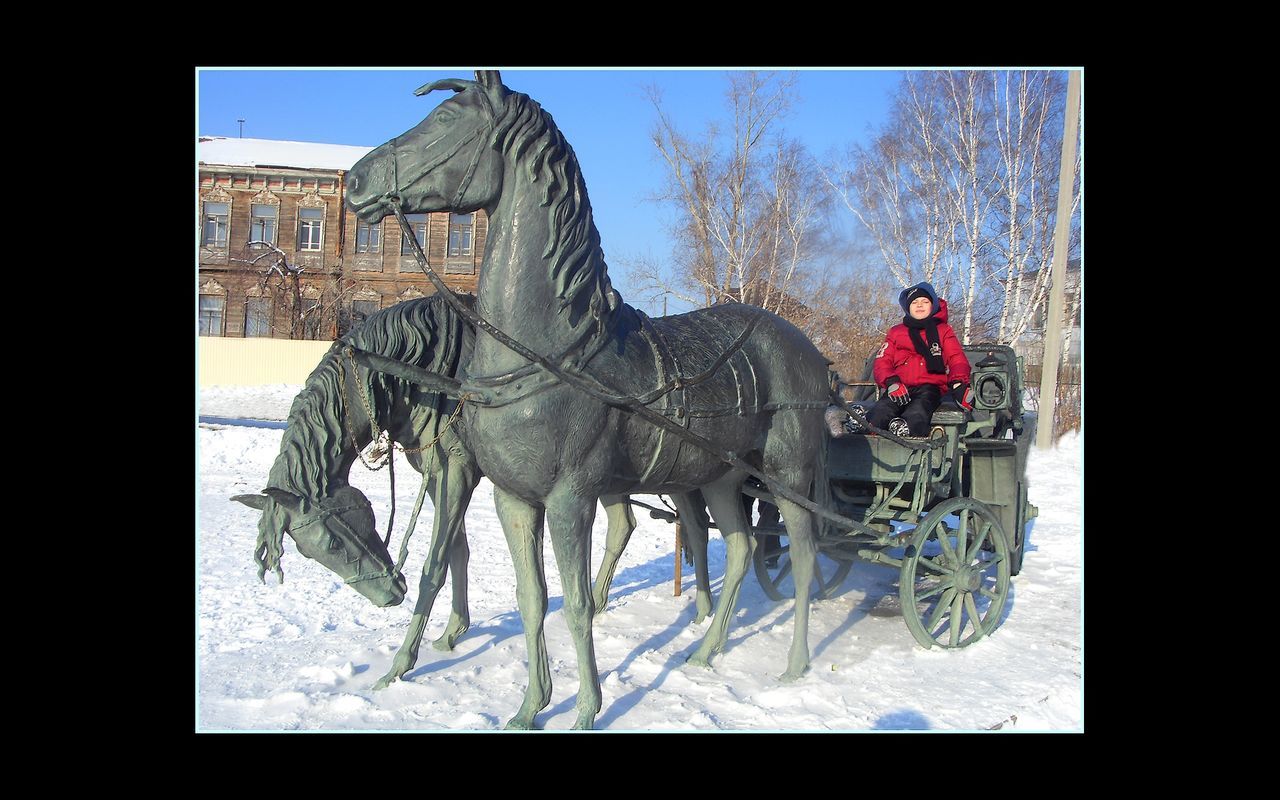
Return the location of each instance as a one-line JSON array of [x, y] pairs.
[[803, 555], [522, 525], [569, 517], [622, 523], [462, 482], [693, 519], [433, 571], [724, 498], [459, 614], [785, 457]]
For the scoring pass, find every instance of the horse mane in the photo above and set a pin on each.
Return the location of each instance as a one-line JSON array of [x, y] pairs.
[[578, 271], [426, 332]]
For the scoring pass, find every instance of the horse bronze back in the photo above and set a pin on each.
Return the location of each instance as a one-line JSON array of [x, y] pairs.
[[735, 375]]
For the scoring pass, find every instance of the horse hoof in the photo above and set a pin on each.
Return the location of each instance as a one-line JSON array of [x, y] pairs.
[[697, 660], [791, 676], [585, 724], [386, 680], [444, 644], [518, 724]]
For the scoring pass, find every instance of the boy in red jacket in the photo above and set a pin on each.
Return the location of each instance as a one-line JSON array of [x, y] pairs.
[[919, 359]]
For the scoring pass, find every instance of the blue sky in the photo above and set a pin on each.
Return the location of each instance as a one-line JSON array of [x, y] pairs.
[[604, 114]]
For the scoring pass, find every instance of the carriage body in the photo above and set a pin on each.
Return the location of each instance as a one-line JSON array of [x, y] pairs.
[[910, 500], [984, 457]]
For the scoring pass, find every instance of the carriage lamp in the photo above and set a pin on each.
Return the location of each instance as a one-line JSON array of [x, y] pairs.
[[990, 391]]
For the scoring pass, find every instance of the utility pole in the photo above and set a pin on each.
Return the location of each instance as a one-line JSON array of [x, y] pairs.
[[241, 127], [679, 565], [1054, 323]]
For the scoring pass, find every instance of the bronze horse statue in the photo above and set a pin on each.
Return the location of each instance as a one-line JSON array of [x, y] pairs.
[[308, 495], [732, 374]]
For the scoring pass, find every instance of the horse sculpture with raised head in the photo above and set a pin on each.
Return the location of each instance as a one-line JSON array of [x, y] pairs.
[[733, 374], [309, 498]]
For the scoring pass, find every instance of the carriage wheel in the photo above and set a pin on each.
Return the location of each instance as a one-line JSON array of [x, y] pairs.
[[955, 574], [773, 567]]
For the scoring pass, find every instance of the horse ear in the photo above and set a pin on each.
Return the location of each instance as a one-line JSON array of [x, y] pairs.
[[257, 501], [287, 499], [491, 81]]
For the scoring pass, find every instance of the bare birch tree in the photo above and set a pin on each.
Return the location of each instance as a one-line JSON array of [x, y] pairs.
[[1029, 136], [960, 188], [750, 204]]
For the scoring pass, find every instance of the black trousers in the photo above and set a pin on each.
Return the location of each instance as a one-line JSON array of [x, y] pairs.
[[925, 400]]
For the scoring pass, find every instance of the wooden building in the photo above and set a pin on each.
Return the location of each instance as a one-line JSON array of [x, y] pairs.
[[279, 254]]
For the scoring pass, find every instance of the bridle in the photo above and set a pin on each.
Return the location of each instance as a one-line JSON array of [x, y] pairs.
[[335, 513], [480, 135]]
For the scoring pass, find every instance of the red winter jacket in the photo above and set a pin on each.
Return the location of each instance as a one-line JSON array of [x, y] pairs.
[[899, 357]]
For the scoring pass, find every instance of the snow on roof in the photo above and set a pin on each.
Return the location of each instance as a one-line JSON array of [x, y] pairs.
[[269, 152]]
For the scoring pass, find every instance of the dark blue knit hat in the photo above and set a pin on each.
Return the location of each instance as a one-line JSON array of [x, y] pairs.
[[921, 289]]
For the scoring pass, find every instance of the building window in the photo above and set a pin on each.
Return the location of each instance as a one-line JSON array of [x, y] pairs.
[[419, 223], [212, 310], [310, 318], [215, 224], [262, 223], [310, 222], [368, 237], [257, 316], [460, 227]]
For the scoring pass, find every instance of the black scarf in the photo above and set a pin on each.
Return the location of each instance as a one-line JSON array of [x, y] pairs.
[[933, 352]]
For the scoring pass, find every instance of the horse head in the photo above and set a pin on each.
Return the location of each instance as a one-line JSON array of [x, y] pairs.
[[338, 531], [447, 162]]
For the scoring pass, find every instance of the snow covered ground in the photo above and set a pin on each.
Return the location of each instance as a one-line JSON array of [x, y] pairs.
[[304, 655]]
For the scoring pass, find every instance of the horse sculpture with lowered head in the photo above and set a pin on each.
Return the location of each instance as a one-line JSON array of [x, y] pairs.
[[732, 374], [308, 495]]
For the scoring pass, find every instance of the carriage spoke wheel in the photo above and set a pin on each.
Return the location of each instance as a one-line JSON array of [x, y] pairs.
[[955, 574], [773, 568]]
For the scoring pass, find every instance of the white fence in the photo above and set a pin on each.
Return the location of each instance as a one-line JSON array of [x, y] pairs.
[[254, 362]]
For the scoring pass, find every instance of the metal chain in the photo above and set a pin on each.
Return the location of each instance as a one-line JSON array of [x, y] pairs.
[[351, 428], [457, 412]]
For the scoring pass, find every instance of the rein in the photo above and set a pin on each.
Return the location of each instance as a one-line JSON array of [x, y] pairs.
[[594, 389]]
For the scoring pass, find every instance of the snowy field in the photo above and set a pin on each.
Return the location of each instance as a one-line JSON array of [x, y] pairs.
[[303, 655]]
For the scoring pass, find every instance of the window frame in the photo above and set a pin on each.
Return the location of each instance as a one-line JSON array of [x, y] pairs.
[[310, 223], [225, 225], [262, 317], [201, 315], [373, 237], [255, 220], [420, 223], [465, 230]]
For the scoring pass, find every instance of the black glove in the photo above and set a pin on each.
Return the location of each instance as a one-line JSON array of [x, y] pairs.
[[897, 390], [963, 393]]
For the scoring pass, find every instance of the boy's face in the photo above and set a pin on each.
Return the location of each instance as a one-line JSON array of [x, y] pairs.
[[920, 307]]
